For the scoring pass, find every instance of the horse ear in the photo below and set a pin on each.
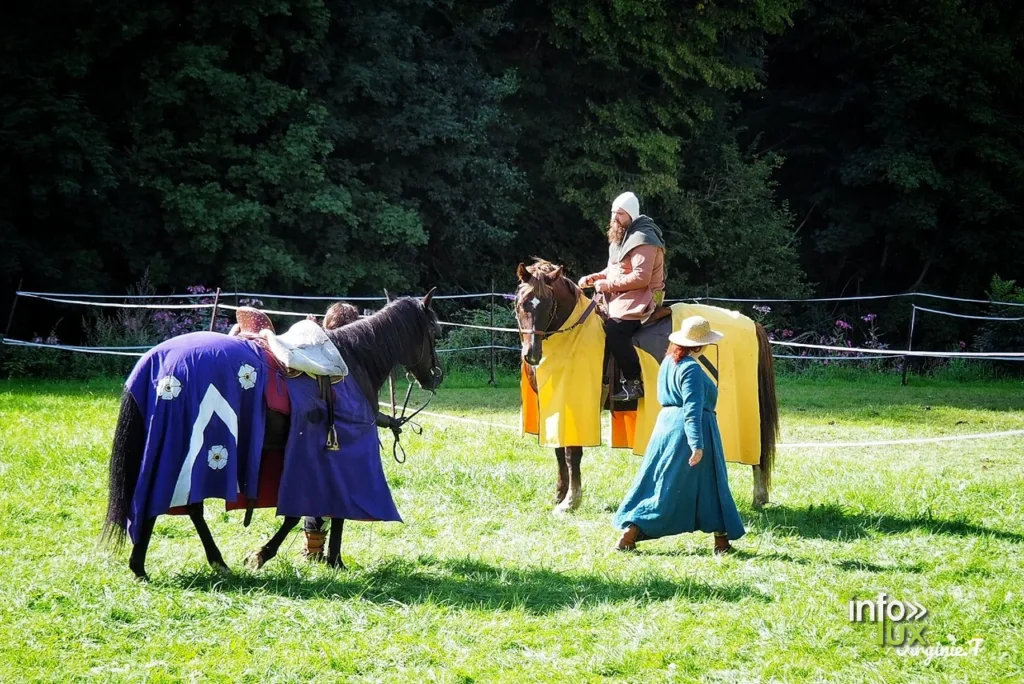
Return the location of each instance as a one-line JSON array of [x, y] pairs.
[[387, 296], [554, 275], [428, 298], [524, 275]]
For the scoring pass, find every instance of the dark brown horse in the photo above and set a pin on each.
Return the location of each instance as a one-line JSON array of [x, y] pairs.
[[401, 334], [544, 301]]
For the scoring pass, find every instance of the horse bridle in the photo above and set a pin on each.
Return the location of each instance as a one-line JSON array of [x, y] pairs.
[[554, 312], [401, 420]]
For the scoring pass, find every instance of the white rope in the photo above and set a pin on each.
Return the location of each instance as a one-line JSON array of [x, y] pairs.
[[896, 442], [784, 300], [54, 296], [117, 305], [974, 318], [970, 301], [828, 358], [274, 312], [62, 347], [848, 299], [144, 348], [486, 346], [111, 296], [479, 327], [457, 419], [791, 445], [321, 298], [1006, 356]]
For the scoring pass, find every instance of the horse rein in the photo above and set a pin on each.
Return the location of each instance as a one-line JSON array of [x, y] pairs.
[[401, 420]]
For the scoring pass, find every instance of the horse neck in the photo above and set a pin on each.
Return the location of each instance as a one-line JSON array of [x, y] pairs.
[[566, 295], [372, 350]]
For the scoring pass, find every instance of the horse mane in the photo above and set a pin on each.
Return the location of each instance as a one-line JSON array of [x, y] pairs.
[[541, 267], [374, 345]]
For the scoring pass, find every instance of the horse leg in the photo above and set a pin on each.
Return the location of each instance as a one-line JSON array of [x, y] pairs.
[[562, 486], [256, 559], [213, 557], [137, 562], [760, 488], [334, 544], [573, 457]]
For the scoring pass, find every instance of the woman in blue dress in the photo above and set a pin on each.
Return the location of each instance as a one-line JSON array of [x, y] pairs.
[[683, 485]]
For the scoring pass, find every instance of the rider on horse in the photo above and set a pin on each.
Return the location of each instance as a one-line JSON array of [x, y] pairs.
[[633, 285]]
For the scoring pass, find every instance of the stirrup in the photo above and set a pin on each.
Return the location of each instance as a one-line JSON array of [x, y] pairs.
[[631, 390]]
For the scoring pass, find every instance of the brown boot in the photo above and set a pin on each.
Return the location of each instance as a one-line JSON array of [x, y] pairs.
[[722, 544], [627, 542], [314, 547]]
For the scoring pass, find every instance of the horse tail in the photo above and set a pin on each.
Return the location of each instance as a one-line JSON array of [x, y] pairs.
[[767, 402], [125, 462]]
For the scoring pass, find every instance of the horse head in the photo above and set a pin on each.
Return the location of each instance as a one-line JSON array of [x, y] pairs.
[[420, 355], [544, 301]]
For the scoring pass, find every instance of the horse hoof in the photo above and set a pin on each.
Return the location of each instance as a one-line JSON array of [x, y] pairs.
[[562, 509], [142, 577], [254, 561], [223, 570], [337, 564]]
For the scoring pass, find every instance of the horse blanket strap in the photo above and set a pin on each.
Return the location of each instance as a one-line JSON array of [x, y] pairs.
[[710, 366], [327, 394]]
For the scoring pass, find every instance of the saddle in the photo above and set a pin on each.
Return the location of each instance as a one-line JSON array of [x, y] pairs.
[[305, 348], [611, 376], [658, 314]]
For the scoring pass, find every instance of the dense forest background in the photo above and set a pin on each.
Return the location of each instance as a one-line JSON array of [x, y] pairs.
[[787, 147]]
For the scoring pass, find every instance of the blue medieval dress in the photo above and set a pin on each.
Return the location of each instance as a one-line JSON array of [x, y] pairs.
[[668, 495]]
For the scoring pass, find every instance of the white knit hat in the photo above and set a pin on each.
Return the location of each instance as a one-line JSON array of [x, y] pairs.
[[629, 203], [695, 332]]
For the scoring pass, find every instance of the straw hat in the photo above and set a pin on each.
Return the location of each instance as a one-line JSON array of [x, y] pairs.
[[695, 332]]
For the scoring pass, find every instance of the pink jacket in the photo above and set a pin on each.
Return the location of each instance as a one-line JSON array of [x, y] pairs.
[[635, 286]]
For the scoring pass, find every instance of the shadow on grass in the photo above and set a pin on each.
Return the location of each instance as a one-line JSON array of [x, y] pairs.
[[755, 556], [834, 522], [468, 583]]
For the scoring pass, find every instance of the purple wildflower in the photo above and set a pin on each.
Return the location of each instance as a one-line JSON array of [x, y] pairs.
[[868, 318], [843, 325]]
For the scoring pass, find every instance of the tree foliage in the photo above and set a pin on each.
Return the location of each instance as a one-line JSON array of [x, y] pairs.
[[345, 146], [902, 131]]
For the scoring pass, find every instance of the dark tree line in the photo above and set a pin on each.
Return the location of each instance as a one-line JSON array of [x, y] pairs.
[[344, 146]]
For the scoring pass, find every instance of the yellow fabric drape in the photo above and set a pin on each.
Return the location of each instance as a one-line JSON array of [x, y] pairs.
[[565, 410], [735, 357]]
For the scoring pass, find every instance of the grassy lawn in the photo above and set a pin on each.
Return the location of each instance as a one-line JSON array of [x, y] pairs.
[[483, 584]]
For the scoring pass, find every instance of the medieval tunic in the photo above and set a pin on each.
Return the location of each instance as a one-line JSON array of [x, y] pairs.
[[669, 496]]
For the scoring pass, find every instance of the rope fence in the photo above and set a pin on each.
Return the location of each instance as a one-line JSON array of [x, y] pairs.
[[847, 353], [70, 298], [840, 354]]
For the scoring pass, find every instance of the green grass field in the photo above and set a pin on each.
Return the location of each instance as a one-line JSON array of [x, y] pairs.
[[483, 584]]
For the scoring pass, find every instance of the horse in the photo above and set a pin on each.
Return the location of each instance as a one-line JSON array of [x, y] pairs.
[[544, 301], [403, 333]]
